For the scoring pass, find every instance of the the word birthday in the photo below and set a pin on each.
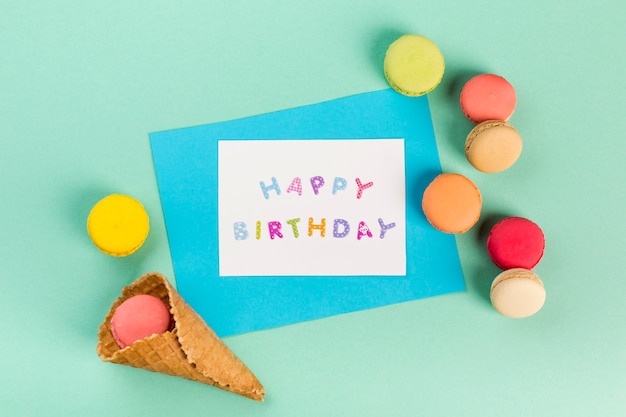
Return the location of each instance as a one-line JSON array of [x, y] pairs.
[[317, 182], [341, 229]]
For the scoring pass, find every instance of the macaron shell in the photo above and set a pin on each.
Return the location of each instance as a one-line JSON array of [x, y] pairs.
[[413, 65], [452, 203], [488, 97], [517, 293], [118, 225], [493, 146], [515, 242], [139, 317]]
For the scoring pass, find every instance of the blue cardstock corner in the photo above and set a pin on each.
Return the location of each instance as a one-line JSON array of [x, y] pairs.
[[186, 163]]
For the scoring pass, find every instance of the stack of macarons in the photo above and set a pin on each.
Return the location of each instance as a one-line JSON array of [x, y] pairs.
[[516, 245], [493, 145]]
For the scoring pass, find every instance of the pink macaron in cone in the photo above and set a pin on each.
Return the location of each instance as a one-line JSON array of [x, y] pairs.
[[139, 317]]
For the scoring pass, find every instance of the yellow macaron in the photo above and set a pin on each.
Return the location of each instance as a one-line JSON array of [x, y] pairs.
[[413, 65], [118, 225]]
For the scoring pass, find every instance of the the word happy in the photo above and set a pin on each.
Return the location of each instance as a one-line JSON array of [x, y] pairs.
[[317, 182]]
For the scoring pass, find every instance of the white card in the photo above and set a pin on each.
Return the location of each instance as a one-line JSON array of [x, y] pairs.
[[311, 207]]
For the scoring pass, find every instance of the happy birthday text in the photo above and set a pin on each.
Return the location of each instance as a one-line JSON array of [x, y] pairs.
[[341, 227]]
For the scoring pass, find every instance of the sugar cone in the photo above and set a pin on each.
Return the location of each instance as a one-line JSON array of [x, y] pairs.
[[190, 350]]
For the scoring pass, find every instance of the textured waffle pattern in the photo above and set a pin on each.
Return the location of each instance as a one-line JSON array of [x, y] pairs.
[[190, 350]]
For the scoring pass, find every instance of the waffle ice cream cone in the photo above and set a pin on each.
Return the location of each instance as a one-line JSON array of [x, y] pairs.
[[190, 350]]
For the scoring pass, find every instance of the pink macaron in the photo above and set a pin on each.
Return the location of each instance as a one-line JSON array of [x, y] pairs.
[[488, 97], [139, 317], [515, 242]]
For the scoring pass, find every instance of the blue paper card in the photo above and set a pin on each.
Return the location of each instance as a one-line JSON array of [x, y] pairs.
[[304, 213]]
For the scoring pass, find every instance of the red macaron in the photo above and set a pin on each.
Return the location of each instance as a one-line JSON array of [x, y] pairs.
[[516, 242]]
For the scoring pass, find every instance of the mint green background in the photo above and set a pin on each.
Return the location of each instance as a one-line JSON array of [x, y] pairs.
[[83, 83]]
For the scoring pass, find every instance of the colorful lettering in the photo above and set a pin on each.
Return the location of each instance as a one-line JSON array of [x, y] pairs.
[[339, 184], [363, 231], [258, 230], [241, 232], [274, 228], [362, 187], [384, 227], [296, 185], [267, 188], [346, 228], [317, 182], [321, 227], [294, 226]]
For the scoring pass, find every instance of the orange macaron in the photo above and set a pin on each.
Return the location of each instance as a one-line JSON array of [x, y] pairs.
[[452, 203]]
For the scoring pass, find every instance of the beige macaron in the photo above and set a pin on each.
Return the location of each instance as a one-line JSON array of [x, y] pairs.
[[517, 293], [493, 146]]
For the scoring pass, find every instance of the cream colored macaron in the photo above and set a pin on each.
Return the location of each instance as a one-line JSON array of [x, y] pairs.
[[493, 146], [517, 293]]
